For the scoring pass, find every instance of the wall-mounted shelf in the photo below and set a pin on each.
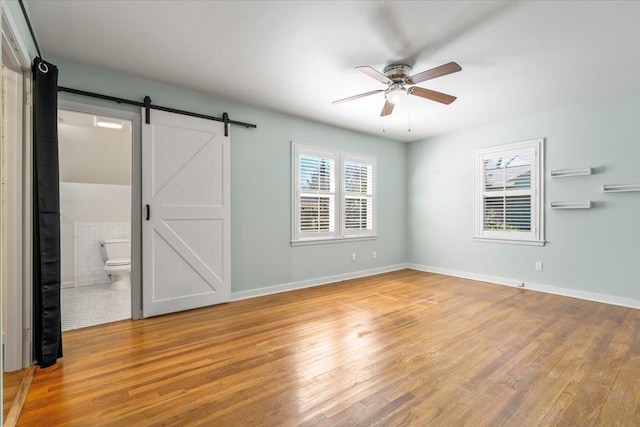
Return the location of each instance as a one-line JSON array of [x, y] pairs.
[[571, 172], [620, 188], [571, 205]]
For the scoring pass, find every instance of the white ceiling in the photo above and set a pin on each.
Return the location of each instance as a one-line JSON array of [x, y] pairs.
[[518, 58]]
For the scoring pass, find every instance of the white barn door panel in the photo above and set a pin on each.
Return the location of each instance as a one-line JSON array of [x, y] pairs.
[[186, 213]]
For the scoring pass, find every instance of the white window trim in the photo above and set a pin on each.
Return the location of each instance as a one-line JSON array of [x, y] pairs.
[[340, 234], [536, 237]]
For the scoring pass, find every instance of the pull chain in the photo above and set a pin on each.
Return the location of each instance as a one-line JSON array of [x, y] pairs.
[[409, 108]]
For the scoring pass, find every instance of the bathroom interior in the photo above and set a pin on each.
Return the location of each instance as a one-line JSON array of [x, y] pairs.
[[95, 218]]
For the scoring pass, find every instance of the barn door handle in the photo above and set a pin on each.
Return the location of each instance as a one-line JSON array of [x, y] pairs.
[[148, 212]]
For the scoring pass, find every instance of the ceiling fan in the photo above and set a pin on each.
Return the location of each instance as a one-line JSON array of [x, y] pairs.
[[397, 77]]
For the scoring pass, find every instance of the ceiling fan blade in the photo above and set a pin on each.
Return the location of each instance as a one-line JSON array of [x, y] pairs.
[[373, 92], [375, 74], [432, 95], [442, 70], [387, 109]]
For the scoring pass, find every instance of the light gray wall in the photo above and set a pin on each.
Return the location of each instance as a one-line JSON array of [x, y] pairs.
[[596, 250], [261, 254], [428, 186]]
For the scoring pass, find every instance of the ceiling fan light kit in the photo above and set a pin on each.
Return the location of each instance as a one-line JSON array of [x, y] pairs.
[[397, 77], [395, 93]]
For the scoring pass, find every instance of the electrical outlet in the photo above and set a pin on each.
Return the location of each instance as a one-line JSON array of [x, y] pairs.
[[375, 254], [353, 256], [538, 265]]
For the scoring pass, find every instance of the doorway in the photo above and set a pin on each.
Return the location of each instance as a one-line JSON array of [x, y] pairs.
[[100, 282]]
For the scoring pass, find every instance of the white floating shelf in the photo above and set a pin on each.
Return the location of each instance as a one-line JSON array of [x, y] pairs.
[[571, 172], [571, 205], [620, 188]]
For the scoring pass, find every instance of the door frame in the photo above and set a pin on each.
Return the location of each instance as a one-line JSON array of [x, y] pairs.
[[18, 333], [136, 191]]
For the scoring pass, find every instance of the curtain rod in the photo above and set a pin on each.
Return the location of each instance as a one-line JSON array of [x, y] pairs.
[[148, 106], [33, 36]]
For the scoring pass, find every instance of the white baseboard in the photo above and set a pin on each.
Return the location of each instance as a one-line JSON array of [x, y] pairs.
[[567, 292], [538, 287], [253, 293], [465, 275], [66, 285]]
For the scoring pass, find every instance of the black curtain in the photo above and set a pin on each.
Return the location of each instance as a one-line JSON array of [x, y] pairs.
[[46, 215]]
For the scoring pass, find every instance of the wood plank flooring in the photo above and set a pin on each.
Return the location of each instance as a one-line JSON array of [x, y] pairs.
[[15, 393], [10, 385], [403, 348]]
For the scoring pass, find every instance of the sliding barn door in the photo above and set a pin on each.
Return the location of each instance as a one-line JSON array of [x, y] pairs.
[[186, 212]]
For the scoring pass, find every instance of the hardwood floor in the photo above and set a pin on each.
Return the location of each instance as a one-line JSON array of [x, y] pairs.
[[15, 386], [10, 385], [403, 348]]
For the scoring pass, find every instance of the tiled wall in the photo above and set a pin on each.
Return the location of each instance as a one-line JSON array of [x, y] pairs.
[[88, 262]]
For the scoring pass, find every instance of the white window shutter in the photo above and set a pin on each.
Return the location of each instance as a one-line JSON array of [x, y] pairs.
[[358, 196], [508, 181], [333, 195], [316, 191]]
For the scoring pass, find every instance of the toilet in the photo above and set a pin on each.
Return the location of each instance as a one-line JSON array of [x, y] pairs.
[[116, 254]]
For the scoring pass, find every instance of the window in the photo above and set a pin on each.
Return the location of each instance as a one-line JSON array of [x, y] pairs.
[[333, 195], [358, 195], [317, 194], [509, 193]]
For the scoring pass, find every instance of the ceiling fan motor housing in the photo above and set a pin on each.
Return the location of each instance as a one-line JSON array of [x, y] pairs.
[[399, 73]]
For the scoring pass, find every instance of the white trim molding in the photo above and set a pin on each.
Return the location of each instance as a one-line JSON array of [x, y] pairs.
[[20, 52], [496, 280], [511, 242], [292, 286], [538, 287], [17, 337], [332, 240], [466, 275]]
